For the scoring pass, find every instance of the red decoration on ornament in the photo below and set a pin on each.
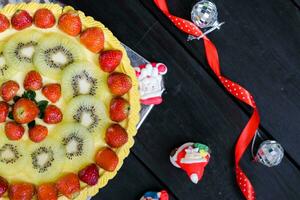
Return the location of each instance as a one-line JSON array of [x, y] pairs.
[[233, 88]]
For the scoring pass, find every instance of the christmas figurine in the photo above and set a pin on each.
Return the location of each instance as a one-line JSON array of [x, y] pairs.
[[192, 158], [151, 82], [162, 195]]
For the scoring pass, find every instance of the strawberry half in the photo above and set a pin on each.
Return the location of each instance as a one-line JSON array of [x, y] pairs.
[[52, 115], [9, 90], [33, 81], [14, 131], [70, 23], [119, 83], [109, 60], [3, 186], [89, 174], [116, 136], [4, 109], [119, 109], [4, 23], [38, 133], [21, 191], [44, 18], [52, 92], [107, 159], [21, 20], [69, 185]]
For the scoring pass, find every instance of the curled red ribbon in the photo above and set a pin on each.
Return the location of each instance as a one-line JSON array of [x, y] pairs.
[[233, 88]]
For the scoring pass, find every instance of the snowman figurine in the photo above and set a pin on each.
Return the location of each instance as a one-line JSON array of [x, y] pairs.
[[162, 195], [151, 82], [192, 158]]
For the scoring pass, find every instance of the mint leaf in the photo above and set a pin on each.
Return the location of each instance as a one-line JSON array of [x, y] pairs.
[[42, 106], [31, 124], [29, 95], [10, 115]]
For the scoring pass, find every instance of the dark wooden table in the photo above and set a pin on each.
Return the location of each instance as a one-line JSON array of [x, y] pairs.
[[259, 47]]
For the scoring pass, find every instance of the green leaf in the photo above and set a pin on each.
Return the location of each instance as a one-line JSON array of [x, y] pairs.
[[42, 106], [31, 124], [29, 95], [16, 98], [10, 115]]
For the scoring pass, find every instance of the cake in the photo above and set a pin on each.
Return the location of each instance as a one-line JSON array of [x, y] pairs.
[[69, 103]]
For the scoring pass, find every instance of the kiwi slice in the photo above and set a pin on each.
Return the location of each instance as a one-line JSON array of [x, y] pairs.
[[6, 72], [77, 143], [89, 112], [46, 161], [12, 158], [54, 52], [82, 78], [20, 48]]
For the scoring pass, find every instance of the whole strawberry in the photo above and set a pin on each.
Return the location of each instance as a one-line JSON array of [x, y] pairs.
[[38, 133], [116, 136], [4, 23], [44, 18], [52, 92], [52, 115], [107, 159], [119, 109], [89, 174], [4, 109], [3, 186], [33, 81], [69, 185], [109, 60], [70, 23], [14, 131], [25, 111], [21, 20], [119, 83], [21, 191], [93, 39], [9, 90]]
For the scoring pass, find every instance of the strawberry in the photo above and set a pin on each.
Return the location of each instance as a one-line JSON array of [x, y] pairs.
[[14, 131], [52, 92], [4, 108], [3, 186], [107, 159], [119, 109], [47, 191], [69, 185], [93, 39], [33, 81], [109, 60], [4, 23], [38, 133], [116, 136], [119, 83], [25, 111], [44, 18], [70, 23], [21, 191], [21, 20], [52, 115], [89, 175], [9, 90]]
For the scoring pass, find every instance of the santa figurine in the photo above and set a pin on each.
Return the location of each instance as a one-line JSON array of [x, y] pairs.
[[162, 195], [192, 158], [151, 82]]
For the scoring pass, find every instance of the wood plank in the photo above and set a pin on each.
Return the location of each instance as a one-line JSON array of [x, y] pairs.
[[196, 109], [259, 48], [131, 182]]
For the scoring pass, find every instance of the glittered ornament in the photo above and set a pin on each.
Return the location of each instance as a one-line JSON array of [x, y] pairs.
[[205, 15], [162, 195], [270, 153]]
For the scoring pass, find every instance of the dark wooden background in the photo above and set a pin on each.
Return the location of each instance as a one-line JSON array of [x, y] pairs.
[[259, 47]]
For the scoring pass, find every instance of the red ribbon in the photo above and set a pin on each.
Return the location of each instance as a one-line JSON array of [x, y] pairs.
[[233, 88]]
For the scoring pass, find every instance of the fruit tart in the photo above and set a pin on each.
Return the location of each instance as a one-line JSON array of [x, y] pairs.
[[69, 103]]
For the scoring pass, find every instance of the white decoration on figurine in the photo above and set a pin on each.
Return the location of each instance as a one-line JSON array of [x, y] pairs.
[[150, 82]]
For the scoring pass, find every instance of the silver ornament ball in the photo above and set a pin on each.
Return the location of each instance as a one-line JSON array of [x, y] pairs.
[[270, 153], [204, 14]]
